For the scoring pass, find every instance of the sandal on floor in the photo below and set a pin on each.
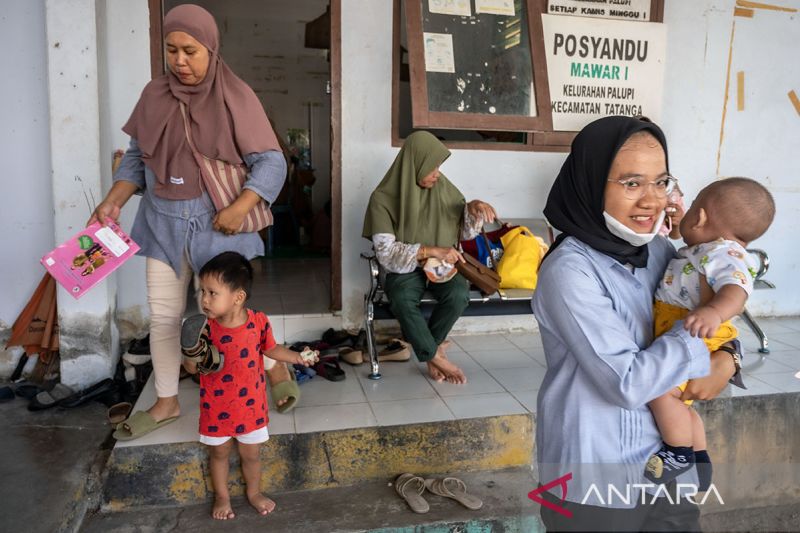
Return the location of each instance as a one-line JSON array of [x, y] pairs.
[[351, 356], [139, 425], [51, 398], [451, 487], [397, 351], [410, 488], [117, 413], [286, 389], [328, 368]]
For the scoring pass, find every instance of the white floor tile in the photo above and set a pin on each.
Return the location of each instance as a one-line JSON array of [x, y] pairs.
[[397, 388], [478, 382], [788, 358], [519, 379], [333, 417], [320, 391], [786, 382], [754, 387], [483, 342], [514, 358], [525, 340], [281, 424], [411, 411], [789, 339], [767, 366], [484, 405], [527, 398]]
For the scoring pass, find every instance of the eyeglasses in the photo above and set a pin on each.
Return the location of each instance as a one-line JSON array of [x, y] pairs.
[[636, 188]]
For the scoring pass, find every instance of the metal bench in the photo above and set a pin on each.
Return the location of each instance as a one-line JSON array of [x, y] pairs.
[[759, 283], [503, 302]]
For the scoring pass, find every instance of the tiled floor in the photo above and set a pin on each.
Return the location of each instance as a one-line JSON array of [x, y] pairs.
[[292, 286], [504, 373]]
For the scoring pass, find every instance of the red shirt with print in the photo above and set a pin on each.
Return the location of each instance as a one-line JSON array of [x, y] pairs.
[[233, 400]]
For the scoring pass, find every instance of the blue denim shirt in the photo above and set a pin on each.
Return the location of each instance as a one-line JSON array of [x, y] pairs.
[[603, 366], [166, 229]]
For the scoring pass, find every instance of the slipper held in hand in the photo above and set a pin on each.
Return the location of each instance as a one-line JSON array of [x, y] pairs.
[[410, 488], [287, 390], [451, 487]]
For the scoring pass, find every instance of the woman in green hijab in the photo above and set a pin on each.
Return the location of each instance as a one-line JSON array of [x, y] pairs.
[[414, 215]]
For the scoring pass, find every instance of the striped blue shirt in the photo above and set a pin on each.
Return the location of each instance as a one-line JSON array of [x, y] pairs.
[[603, 366], [166, 229]]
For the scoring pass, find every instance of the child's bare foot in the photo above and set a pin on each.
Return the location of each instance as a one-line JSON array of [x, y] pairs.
[[222, 509], [451, 372], [261, 503], [434, 373]]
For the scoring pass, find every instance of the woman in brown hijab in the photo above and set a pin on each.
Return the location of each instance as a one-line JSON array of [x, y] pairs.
[[176, 224]]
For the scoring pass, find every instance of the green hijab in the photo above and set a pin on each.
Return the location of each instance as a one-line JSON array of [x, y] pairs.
[[412, 214]]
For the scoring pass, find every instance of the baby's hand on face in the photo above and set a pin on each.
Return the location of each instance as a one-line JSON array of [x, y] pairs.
[[308, 356], [702, 322]]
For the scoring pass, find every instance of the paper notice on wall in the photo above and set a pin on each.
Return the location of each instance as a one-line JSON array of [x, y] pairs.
[[608, 9], [598, 68], [439, 52], [460, 8], [495, 7]]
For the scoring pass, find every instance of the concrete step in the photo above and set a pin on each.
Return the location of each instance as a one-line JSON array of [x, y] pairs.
[[177, 474], [371, 507]]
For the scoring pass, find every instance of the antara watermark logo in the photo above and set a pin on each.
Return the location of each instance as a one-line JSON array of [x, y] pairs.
[[631, 494]]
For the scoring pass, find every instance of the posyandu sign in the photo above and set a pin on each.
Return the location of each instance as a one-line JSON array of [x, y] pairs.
[[602, 67]]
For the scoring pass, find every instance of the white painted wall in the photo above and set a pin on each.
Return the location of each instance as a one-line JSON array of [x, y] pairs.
[[26, 218], [757, 142]]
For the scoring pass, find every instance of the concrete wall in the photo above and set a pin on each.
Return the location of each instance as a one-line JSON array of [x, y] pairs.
[[27, 213]]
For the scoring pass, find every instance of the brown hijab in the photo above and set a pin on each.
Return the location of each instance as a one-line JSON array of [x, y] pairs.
[[227, 120]]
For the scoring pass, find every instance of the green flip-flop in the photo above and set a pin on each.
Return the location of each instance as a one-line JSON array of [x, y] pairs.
[[140, 424], [286, 389]]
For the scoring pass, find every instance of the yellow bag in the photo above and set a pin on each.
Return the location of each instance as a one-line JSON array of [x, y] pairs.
[[519, 266]]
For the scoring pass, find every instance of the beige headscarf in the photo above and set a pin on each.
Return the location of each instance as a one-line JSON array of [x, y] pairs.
[[227, 120]]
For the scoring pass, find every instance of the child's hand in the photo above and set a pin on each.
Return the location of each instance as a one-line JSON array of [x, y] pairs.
[[190, 365], [308, 356], [702, 322]]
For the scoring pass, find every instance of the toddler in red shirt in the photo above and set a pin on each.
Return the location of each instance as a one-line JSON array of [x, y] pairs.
[[225, 346]]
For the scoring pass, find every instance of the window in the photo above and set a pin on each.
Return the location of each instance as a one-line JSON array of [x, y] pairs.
[[476, 79]]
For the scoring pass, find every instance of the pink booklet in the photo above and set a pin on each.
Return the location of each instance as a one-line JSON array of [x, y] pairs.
[[89, 256]]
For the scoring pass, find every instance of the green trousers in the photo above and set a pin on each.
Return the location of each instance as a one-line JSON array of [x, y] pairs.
[[405, 292]]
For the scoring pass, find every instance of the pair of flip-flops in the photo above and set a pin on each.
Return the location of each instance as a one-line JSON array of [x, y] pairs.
[[410, 487], [195, 345]]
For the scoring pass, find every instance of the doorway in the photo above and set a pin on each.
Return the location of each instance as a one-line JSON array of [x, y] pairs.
[[289, 53]]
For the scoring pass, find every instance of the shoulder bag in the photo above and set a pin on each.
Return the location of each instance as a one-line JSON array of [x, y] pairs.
[[224, 181]]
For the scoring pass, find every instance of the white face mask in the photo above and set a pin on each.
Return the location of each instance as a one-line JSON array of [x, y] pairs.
[[628, 235]]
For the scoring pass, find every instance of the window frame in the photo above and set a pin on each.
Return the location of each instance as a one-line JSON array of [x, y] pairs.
[[539, 129]]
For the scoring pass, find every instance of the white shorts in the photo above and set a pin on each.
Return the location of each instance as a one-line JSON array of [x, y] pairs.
[[256, 436]]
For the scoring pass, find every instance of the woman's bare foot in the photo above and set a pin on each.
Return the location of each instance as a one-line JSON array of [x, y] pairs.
[[278, 374], [222, 508], [261, 503], [434, 373], [165, 408], [451, 372]]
